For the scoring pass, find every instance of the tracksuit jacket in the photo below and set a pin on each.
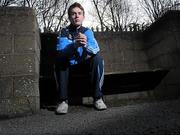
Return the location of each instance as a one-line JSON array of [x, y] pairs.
[[66, 44]]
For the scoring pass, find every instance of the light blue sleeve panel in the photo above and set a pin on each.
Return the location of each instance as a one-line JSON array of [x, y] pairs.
[[92, 45], [65, 46], [62, 43]]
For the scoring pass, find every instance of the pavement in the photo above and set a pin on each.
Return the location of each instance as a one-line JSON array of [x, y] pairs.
[[144, 118]]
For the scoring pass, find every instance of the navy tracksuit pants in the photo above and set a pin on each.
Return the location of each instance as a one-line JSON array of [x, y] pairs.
[[93, 66]]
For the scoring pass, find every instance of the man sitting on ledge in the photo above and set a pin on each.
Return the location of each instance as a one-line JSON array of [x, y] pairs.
[[77, 47]]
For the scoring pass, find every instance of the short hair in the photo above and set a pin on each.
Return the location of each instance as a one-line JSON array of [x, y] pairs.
[[76, 4]]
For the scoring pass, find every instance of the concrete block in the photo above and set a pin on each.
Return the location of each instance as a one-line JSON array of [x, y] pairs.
[[6, 65], [173, 90], [139, 57], [24, 24], [24, 64], [6, 87], [5, 107], [160, 91], [18, 64], [107, 68], [5, 24], [141, 67], [104, 45], [106, 56], [34, 103], [154, 63], [175, 56], [121, 98], [167, 61], [175, 24], [18, 106], [152, 38], [24, 43], [117, 67], [118, 44], [164, 45], [108, 59], [37, 64], [16, 11], [171, 59], [117, 57], [164, 61], [165, 91], [128, 56], [173, 77], [168, 44], [155, 49], [138, 44], [87, 100], [26, 86], [178, 40], [122, 68], [125, 45], [6, 43], [17, 20]]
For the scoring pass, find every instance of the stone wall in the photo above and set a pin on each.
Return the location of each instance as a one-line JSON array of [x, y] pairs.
[[162, 43], [19, 61]]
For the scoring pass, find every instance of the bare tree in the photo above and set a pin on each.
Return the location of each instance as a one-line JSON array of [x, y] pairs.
[[154, 8], [113, 13], [5, 3], [119, 13], [50, 13], [100, 7]]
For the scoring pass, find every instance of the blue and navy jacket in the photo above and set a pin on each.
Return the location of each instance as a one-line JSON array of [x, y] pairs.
[[66, 44]]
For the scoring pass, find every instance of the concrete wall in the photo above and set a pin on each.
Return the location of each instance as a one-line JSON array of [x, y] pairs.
[[123, 52], [162, 43], [19, 61], [158, 47]]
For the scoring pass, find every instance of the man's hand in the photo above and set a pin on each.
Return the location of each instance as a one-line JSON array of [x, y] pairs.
[[81, 39]]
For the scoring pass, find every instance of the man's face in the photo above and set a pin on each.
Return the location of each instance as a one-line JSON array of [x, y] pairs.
[[76, 16]]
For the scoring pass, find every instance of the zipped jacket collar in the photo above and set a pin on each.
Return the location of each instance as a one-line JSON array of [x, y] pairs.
[[73, 28]]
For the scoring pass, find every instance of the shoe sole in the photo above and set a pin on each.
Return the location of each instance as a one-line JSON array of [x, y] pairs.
[[62, 113], [100, 109]]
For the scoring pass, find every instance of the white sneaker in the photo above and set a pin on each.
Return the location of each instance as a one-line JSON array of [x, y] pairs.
[[62, 108], [100, 105]]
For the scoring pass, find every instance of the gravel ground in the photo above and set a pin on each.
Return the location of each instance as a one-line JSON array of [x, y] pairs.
[[158, 118]]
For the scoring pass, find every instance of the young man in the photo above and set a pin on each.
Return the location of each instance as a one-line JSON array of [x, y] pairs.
[[78, 47]]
